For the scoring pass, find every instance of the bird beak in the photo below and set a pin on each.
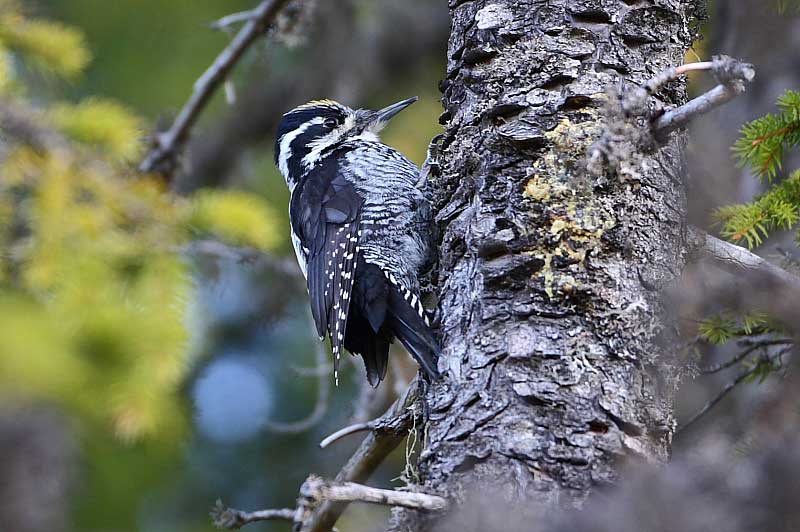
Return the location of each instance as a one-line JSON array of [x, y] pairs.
[[380, 118], [385, 114]]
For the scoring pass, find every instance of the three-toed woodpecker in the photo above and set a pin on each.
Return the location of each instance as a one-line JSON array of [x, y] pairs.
[[360, 229]]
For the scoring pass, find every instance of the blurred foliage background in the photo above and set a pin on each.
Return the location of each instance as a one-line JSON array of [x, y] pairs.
[[157, 371], [146, 370]]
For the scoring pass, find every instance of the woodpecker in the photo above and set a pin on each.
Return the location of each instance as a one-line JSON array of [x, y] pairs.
[[360, 228]]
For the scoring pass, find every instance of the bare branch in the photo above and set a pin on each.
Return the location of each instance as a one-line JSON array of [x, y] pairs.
[[316, 371], [736, 259], [346, 431], [731, 75], [21, 123], [390, 430], [370, 403], [787, 258], [741, 356], [242, 255], [727, 71], [162, 158], [232, 519], [716, 368], [369, 455], [762, 344], [384, 422], [694, 67], [231, 20], [624, 136], [315, 490], [320, 407], [339, 32], [731, 385], [772, 289], [216, 249]]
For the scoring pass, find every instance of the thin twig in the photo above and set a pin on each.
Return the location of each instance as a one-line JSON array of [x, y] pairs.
[[162, 158], [23, 124], [320, 407], [316, 490], [731, 75], [346, 431], [737, 259], [693, 67], [728, 363], [320, 514], [234, 18], [219, 250], [741, 356], [316, 371], [627, 105], [372, 401], [369, 455], [242, 255], [771, 288], [787, 257], [232, 519], [245, 255], [384, 422], [730, 386]]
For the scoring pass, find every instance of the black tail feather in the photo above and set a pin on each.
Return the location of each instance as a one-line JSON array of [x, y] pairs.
[[371, 346], [377, 361], [378, 313], [414, 334]]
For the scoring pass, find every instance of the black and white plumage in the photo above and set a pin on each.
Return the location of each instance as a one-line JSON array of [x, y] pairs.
[[360, 229]]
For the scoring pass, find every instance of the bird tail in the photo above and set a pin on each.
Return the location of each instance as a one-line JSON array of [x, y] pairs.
[[410, 327], [372, 346]]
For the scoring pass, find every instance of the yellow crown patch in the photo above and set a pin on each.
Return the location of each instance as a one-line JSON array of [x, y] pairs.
[[315, 103]]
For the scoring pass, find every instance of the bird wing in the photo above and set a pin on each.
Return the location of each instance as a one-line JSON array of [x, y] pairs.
[[326, 213]]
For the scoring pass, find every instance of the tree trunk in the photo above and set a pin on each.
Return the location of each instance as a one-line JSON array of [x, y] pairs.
[[557, 350]]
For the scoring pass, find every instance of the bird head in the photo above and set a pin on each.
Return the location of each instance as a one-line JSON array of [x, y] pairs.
[[310, 131]]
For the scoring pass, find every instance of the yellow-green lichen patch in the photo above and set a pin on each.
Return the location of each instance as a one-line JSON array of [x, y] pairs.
[[547, 274], [558, 226], [574, 138], [537, 188], [572, 218]]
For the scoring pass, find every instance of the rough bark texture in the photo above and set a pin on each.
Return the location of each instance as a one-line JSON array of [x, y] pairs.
[[556, 346]]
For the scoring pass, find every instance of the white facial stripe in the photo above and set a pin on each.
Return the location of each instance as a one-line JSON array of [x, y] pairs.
[[369, 136], [286, 143], [320, 145], [323, 143]]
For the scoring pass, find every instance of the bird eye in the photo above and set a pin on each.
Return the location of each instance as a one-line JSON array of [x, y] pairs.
[[331, 123]]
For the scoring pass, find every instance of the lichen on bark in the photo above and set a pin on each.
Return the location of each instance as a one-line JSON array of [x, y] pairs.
[[557, 348]]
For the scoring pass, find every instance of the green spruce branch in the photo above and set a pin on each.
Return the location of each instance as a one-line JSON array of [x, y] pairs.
[[753, 222], [764, 140]]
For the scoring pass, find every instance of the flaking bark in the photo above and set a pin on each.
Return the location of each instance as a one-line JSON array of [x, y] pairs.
[[557, 349]]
